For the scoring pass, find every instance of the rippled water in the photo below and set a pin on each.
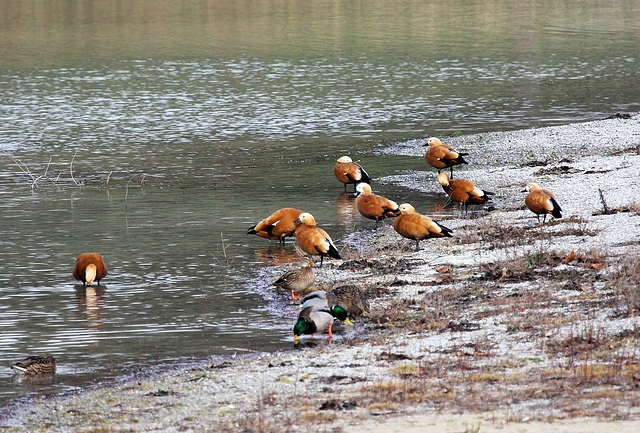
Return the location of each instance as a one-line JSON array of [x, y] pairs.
[[157, 135]]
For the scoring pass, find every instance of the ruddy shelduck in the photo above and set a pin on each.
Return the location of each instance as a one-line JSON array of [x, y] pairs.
[[278, 225], [442, 156], [297, 280], [373, 206], [413, 225], [313, 240], [541, 202], [349, 172], [463, 191], [89, 268]]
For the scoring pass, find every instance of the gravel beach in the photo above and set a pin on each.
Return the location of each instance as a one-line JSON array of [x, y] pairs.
[[510, 325]]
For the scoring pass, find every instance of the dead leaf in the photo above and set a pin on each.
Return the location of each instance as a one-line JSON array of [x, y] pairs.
[[443, 269], [570, 257]]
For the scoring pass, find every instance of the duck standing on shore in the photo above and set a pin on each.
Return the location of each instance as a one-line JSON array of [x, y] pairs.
[[314, 240], [311, 321], [89, 267], [351, 298], [413, 225], [297, 280], [541, 202], [323, 300], [278, 225], [463, 191], [442, 156], [374, 206], [349, 172]]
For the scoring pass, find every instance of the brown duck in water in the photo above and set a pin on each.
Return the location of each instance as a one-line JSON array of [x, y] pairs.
[[349, 172], [278, 225], [35, 365], [89, 268]]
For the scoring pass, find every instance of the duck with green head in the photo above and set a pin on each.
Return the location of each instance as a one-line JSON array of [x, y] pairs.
[[323, 300], [311, 321]]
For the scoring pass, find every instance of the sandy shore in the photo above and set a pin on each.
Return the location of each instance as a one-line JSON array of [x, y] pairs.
[[508, 326]]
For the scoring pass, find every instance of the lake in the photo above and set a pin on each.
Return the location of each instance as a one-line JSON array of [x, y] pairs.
[[158, 132]]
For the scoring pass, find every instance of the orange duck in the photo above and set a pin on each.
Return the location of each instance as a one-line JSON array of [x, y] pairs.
[[278, 225], [373, 206], [313, 240], [463, 191], [413, 225], [440, 156], [349, 172], [541, 202], [89, 268]]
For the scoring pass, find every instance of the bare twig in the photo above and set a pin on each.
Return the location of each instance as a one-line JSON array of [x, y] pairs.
[[23, 167], [226, 261], [108, 177], [605, 208], [71, 167]]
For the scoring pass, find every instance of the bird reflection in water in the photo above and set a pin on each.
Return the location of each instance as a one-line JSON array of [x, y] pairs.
[[277, 255], [91, 302], [346, 209]]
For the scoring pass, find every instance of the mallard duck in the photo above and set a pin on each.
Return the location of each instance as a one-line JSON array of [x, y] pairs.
[[278, 225], [350, 298], [440, 156], [463, 191], [313, 240], [89, 268], [323, 300], [311, 321], [35, 365], [349, 172], [374, 206], [413, 225], [541, 202], [297, 280]]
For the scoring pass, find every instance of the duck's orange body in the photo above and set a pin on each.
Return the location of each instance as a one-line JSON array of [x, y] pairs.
[[441, 156], [89, 268], [373, 206], [413, 225], [349, 172], [463, 191], [313, 240], [278, 225], [541, 202]]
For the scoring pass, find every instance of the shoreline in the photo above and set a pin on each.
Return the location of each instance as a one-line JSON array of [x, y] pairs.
[[497, 328]]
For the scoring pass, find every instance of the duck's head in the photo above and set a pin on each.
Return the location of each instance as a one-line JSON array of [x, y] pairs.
[[306, 218], [433, 142], [443, 179], [406, 208], [530, 187], [345, 159], [90, 274], [341, 314], [363, 189], [300, 328]]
